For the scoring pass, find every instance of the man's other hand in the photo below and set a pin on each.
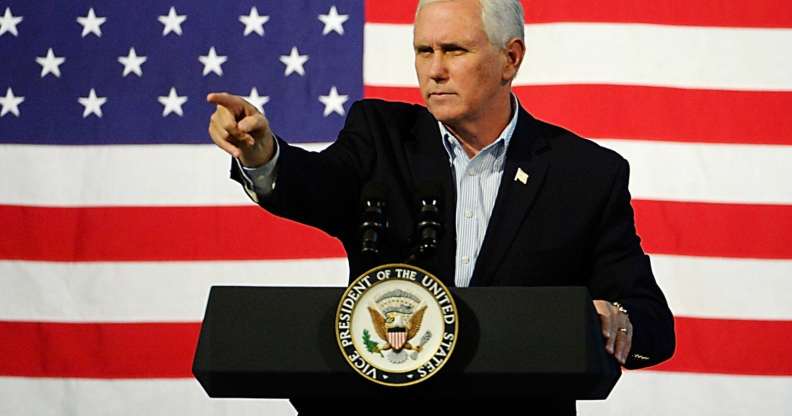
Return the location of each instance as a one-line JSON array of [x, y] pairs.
[[616, 328], [240, 129]]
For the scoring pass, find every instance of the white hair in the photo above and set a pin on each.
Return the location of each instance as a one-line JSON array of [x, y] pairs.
[[502, 20]]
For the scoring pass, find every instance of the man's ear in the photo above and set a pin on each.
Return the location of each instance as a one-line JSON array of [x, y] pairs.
[[514, 53]]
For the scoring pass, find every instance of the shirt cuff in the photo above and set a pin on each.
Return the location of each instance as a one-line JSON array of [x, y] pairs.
[[261, 180]]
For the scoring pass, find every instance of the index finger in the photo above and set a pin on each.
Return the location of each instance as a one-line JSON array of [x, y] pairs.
[[605, 311], [233, 103]]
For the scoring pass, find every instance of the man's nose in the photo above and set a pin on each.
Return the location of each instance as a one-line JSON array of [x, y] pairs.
[[438, 70]]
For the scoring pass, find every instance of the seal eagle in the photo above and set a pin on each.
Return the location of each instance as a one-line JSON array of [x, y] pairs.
[[387, 327]]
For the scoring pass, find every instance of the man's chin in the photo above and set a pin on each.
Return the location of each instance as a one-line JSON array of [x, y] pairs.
[[443, 114]]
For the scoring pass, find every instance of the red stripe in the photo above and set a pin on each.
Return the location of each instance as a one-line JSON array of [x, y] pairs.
[[717, 230], [97, 350], [165, 350], [731, 347], [649, 113], [731, 13], [215, 233], [157, 233]]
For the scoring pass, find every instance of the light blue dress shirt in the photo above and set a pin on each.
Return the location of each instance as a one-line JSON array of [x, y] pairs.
[[477, 181]]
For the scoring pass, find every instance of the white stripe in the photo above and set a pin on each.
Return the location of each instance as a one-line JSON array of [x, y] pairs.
[[631, 54], [649, 393], [730, 173], [20, 396], [145, 291], [177, 291], [119, 175], [725, 288], [182, 175]]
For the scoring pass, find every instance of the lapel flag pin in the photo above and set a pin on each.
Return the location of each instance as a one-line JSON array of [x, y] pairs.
[[521, 176]]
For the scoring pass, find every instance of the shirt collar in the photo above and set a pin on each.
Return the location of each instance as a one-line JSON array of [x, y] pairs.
[[505, 136]]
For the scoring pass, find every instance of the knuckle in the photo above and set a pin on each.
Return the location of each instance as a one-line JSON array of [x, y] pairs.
[[218, 135], [227, 126]]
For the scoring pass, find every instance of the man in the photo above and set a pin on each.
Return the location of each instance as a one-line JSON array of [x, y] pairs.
[[526, 203]]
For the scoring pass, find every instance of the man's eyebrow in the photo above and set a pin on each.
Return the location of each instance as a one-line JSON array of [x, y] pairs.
[[421, 47], [451, 46], [446, 46]]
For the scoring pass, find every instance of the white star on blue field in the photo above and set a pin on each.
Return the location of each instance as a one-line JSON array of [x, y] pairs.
[[138, 73]]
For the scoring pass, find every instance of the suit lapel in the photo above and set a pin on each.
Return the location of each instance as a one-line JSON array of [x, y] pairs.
[[425, 152], [428, 162], [528, 155]]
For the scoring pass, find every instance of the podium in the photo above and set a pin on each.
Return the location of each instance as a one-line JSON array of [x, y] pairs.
[[514, 342]]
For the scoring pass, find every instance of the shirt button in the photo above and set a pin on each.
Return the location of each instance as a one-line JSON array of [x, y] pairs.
[[465, 259], [468, 213]]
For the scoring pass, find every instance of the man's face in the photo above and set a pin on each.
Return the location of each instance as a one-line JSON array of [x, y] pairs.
[[460, 73]]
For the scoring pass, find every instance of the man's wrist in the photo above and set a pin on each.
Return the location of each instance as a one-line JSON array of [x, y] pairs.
[[260, 154], [261, 179]]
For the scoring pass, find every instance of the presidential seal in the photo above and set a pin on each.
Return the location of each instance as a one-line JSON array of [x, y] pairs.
[[397, 325]]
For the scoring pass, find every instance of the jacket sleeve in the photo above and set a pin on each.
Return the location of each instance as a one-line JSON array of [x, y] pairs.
[[320, 189], [623, 273]]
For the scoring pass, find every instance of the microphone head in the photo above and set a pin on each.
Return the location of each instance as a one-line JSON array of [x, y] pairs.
[[431, 194], [373, 222]]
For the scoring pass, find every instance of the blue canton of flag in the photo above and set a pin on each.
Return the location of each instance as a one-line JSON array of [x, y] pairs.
[[139, 72]]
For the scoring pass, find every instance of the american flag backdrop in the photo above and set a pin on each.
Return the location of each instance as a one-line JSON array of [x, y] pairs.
[[116, 213]]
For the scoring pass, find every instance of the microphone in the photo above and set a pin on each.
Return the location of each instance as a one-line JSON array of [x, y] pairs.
[[373, 222], [430, 227]]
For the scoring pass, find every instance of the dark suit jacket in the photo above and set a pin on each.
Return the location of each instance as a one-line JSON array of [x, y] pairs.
[[570, 224]]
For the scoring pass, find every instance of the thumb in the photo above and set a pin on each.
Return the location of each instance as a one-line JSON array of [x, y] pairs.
[[254, 123]]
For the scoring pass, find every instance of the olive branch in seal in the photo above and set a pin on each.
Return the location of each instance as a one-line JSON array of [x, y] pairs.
[[371, 345]]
